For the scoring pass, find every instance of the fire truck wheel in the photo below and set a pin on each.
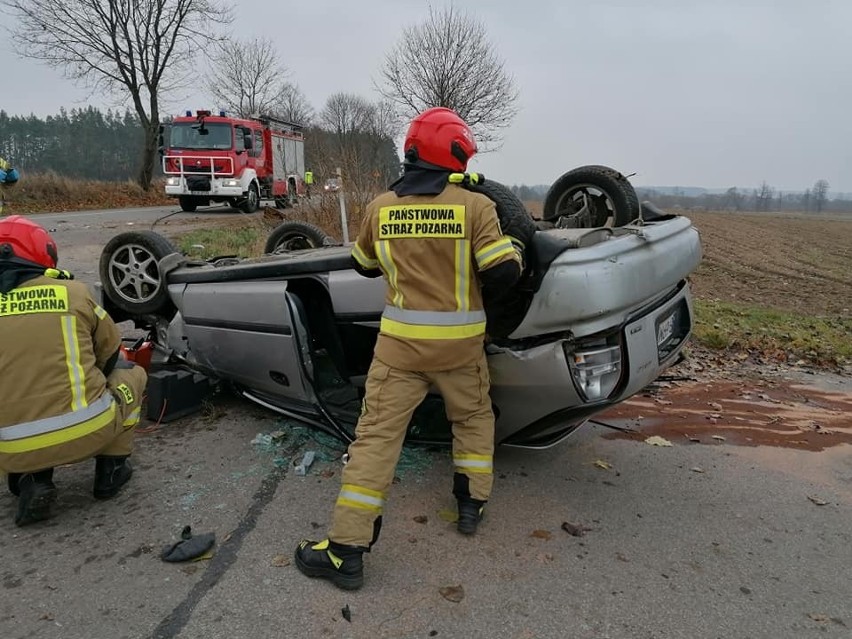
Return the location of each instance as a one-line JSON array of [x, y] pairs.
[[187, 203], [252, 200], [130, 273], [295, 236]]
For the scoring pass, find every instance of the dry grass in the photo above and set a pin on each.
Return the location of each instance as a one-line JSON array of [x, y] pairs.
[[48, 192]]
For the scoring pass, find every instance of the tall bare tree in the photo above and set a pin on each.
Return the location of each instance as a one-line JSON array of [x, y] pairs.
[[294, 106], [819, 195], [247, 76], [448, 61], [763, 197], [140, 48]]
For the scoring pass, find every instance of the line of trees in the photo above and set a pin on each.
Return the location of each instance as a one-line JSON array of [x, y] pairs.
[[765, 198]]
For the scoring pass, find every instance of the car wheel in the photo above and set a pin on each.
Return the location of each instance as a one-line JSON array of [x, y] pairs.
[[130, 273], [295, 236], [610, 197], [251, 202], [187, 203], [515, 220]]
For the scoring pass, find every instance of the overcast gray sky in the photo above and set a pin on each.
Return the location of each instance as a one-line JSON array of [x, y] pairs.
[[683, 93]]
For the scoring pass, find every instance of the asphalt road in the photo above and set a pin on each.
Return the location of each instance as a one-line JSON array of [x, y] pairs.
[[702, 540]]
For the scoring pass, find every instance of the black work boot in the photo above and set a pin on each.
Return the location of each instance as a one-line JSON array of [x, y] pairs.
[[342, 565], [111, 473], [470, 514], [36, 495]]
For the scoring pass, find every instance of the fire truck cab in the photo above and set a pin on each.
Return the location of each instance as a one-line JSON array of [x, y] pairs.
[[241, 161]]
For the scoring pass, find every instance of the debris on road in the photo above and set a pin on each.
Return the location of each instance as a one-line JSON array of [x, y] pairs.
[[347, 613], [190, 547], [818, 501], [573, 530], [541, 534], [421, 519], [599, 463], [718, 438], [452, 593], [656, 440], [697, 469], [307, 460], [448, 515], [280, 561]]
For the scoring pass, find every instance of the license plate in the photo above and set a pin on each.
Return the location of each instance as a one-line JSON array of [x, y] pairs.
[[665, 329]]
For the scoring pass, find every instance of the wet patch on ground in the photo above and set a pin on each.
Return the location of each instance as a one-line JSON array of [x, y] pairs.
[[781, 414]]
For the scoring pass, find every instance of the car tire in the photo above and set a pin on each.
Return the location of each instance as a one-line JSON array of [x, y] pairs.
[[514, 218], [130, 274], [251, 202], [295, 236], [614, 198], [188, 203]]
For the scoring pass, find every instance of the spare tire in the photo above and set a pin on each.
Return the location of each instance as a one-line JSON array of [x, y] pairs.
[[130, 273], [514, 218], [295, 236], [611, 198]]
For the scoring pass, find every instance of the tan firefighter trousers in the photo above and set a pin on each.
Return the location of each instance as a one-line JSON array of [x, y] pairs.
[[391, 397]]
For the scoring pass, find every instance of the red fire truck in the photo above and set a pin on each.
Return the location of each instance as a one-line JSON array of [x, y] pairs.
[[215, 158]]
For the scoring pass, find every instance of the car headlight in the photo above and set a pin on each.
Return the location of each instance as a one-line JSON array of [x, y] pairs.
[[230, 183], [173, 181], [596, 370]]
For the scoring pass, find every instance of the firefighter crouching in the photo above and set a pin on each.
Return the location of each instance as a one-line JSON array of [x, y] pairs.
[[437, 245], [66, 393]]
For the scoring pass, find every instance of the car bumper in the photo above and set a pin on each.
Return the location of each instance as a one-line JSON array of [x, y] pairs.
[[216, 190], [537, 401]]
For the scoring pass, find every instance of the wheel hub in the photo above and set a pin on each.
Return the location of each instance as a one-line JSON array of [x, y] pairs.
[[134, 274]]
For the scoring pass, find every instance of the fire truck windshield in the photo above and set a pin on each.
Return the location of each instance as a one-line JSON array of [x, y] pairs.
[[190, 135]]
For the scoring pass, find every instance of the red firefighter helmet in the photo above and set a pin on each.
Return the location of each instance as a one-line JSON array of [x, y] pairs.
[[439, 138], [24, 239]]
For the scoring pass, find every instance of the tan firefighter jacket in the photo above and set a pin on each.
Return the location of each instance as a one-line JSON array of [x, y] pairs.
[[54, 342], [431, 249]]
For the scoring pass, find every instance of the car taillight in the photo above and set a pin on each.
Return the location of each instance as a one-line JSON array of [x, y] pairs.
[[595, 369]]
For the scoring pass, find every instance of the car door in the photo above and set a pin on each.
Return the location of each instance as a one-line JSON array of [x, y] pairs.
[[249, 332]]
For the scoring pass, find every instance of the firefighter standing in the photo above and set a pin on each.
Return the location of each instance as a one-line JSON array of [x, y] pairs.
[[8, 178], [66, 392], [436, 244]]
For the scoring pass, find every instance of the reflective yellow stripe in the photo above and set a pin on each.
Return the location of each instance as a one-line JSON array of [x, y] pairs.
[[462, 331], [383, 250], [494, 251], [133, 418], [462, 275], [362, 498], [60, 436], [76, 374], [474, 463], [362, 259], [100, 313]]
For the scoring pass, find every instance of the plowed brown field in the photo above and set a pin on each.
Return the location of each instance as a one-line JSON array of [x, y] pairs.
[[795, 263]]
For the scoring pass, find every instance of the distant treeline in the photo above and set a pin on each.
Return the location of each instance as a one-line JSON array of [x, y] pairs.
[[765, 198], [81, 143]]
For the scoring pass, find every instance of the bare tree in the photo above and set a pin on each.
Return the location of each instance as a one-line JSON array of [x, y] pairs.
[[294, 106], [448, 61], [733, 199], [247, 76], [141, 48], [819, 195], [763, 197]]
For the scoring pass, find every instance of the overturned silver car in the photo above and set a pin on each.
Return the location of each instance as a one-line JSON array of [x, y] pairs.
[[602, 309]]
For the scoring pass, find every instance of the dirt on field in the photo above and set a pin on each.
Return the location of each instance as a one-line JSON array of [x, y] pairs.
[[794, 263]]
